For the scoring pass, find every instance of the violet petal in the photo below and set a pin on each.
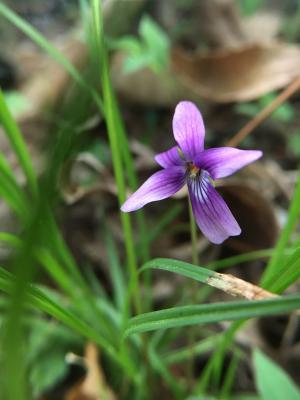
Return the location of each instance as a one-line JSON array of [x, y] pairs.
[[224, 161], [169, 158], [188, 129], [213, 216], [159, 186]]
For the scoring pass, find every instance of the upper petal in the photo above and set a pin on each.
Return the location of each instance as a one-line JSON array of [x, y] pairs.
[[169, 158], [224, 161], [159, 186], [188, 129], [213, 216]]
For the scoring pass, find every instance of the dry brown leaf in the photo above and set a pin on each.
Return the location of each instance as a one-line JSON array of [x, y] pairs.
[[223, 27], [238, 75], [221, 76], [94, 386]]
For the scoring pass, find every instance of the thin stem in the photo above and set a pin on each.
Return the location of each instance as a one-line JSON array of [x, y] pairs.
[[193, 231], [195, 260], [265, 113]]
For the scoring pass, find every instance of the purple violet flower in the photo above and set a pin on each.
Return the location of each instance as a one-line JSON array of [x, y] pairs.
[[189, 163]]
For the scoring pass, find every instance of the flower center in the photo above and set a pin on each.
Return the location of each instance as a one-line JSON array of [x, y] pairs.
[[193, 171]]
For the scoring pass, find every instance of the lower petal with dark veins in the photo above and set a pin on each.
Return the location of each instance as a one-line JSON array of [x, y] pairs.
[[212, 214]]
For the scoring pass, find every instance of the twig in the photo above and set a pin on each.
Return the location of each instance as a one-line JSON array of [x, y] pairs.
[[265, 112]]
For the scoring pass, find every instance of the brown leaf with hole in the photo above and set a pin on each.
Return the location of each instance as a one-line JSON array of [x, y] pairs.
[[238, 75]]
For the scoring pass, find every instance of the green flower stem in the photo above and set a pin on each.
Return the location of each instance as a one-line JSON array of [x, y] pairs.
[[193, 231], [195, 260]]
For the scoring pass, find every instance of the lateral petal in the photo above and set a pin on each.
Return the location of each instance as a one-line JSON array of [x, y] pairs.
[[212, 214], [159, 186], [224, 161], [169, 158]]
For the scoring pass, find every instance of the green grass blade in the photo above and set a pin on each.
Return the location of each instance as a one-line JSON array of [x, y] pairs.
[[41, 301], [10, 239], [37, 38], [272, 381], [278, 255], [185, 353], [16, 140], [7, 175], [162, 224], [210, 313], [287, 274], [241, 258], [12, 197], [117, 277], [111, 117], [179, 267], [42, 42]]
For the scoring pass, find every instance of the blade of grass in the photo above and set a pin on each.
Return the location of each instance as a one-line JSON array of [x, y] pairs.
[[13, 338], [189, 270], [161, 224], [229, 377], [210, 313], [39, 300], [117, 278], [111, 116], [277, 258], [287, 274], [159, 365], [81, 296], [9, 181], [16, 140], [37, 38], [11, 196], [182, 354]]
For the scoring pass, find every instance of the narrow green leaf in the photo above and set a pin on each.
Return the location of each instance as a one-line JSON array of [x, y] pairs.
[[41, 41], [16, 140], [272, 382], [288, 273], [278, 255], [11, 197], [179, 267], [116, 273], [10, 188], [210, 313], [39, 300], [182, 354], [114, 134], [37, 38]]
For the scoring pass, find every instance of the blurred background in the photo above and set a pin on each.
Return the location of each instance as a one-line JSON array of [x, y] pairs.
[[232, 58]]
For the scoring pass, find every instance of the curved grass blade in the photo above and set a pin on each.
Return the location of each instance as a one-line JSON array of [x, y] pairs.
[[37, 38], [228, 283], [277, 257], [36, 298], [210, 313], [180, 267], [16, 140], [272, 382]]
